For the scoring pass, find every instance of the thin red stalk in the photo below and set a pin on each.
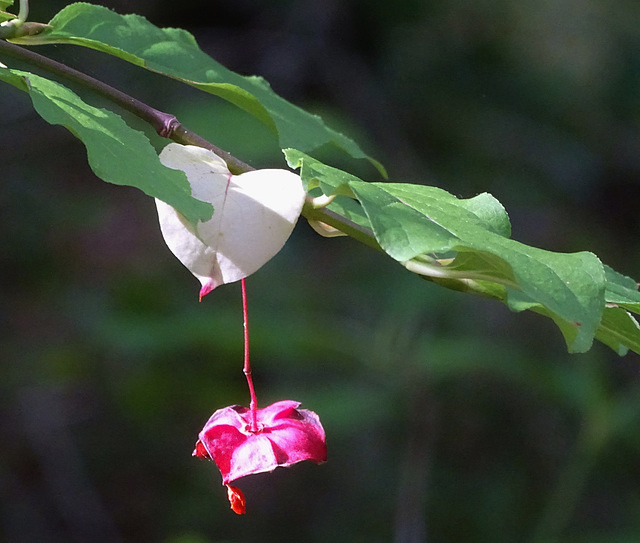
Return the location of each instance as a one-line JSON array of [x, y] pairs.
[[253, 405]]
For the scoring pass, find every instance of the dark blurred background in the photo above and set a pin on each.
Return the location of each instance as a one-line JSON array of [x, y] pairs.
[[448, 418]]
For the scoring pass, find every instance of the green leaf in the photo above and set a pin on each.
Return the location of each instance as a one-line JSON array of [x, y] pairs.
[[315, 174], [463, 244], [619, 330], [422, 226], [411, 220], [490, 211], [175, 53], [5, 16], [116, 152], [622, 291]]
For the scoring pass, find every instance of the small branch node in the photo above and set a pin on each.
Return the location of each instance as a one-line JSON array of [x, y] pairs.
[[170, 124]]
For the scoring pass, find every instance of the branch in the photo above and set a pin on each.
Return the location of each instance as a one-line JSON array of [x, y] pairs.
[[168, 126], [165, 124], [348, 227]]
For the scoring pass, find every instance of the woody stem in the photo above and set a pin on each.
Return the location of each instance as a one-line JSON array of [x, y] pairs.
[[168, 126], [253, 405]]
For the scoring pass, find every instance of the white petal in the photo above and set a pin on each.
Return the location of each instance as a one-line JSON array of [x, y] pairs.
[[253, 216]]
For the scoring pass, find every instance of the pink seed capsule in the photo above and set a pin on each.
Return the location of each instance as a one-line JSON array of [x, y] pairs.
[[236, 499]]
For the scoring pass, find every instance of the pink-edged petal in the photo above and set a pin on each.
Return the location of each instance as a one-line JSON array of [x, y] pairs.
[[267, 415], [256, 455], [301, 439], [221, 442], [200, 451], [234, 415]]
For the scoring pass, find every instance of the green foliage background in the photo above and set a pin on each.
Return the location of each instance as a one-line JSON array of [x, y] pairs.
[[448, 418]]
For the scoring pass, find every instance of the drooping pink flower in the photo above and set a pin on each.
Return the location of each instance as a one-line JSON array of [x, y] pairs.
[[284, 435]]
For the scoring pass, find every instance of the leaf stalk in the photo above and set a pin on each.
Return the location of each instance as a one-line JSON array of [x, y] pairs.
[[23, 12]]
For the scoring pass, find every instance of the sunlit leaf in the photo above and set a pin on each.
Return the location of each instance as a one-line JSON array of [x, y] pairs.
[[622, 291], [412, 220], [464, 244], [316, 174], [619, 330], [117, 153], [4, 4], [175, 53], [5, 16]]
